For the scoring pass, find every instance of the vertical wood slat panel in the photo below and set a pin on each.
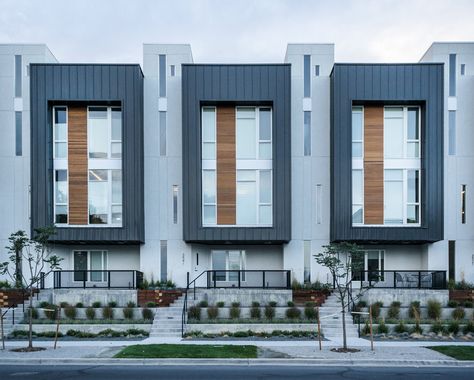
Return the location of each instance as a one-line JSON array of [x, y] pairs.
[[77, 165], [373, 165], [226, 166]]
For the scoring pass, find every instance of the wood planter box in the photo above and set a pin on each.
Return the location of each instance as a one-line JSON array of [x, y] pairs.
[[461, 295], [11, 297], [162, 297], [301, 296]]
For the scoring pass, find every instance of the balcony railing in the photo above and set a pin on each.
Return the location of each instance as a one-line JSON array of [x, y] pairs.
[[97, 279], [403, 279], [263, 279]]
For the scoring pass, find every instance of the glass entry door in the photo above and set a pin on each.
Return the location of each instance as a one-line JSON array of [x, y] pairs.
[[80, 264], [93, 262], [227, 262]]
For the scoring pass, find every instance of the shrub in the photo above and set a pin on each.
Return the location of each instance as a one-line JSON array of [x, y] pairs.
[[127, 312], [414, 310], [147, 314], [362, 304], [366, 329], [96, 304], [394, 310], [273, 304], [4, 284], [290, 304], [400, 328], [44, 304], [90, 313], [469, 328], [203, 303], [310, 312], [212, 312], [375, 311], [468, 304], [434, 309], [235, 304], [255, 312], [34, 313], [79, 305], [220, 304], [438, 328], [453, 327], [70, 312], [194, 312], [151, 304], [293, 313], [255, 304], [242, 334], [417, 328], [107, 312], [63, 304], [458, 313], [269, 312], [112, 304], [131, 304], [382, 328], [310, 304], [453, 303], [51, 312], [234, 311]]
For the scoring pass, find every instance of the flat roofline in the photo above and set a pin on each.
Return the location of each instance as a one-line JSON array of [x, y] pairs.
[[88, 64], [30, 44], [236, 64], [385, 64]]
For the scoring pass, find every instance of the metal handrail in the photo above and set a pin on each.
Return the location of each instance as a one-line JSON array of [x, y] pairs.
[[373, 277], [135, 282]]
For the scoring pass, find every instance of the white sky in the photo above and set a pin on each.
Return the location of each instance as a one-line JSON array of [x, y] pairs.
[[238, 30]]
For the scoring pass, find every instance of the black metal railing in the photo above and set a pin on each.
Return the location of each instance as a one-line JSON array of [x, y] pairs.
[[402, 279], [97, 279]]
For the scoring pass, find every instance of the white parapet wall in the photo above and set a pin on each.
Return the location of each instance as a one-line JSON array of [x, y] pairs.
[[405, 296]]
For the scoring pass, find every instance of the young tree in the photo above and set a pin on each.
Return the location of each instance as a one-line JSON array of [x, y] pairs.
[[36, 252], [340, 259]]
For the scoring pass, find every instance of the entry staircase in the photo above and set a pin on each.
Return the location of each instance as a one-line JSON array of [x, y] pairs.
[[167, 321], [331, 319]]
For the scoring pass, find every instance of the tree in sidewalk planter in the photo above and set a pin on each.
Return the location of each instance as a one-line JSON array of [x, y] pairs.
[[36, 253], [342, 260]]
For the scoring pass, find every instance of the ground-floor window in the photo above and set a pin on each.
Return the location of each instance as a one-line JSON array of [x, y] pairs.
[[227, 264], [369, 264], [94, 262]]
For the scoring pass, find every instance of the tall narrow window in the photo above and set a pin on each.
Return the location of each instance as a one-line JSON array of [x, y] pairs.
[[175, 204], [357, 132], [98, 132], [463, 204], [357, 197], [451, 259], [413, 196], [208, 133], [307, 133], [60, 132], [413, 132], [209, 199], [452, 75], [98, 196], [463, 69], [316, 70], [60, 197], [116, 205], [163, 260], [18, 133], [307, 261], [393, 197], [307, 75], [162, 74], [265, 134], [452, 133], [116, 133], [172, 70], [393, 132], [162, 133], [18, 75]]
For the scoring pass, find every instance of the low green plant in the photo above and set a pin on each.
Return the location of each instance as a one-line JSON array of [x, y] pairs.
[[131, 304], [433, 309], [438, 328], [63, 304], [147, 314], [453, 327], [310, 304], [151, 304], [79, 305], [458, 313], [290, 304], [382, 328], [127, 312], [220, 304], [469, 328], [417, 329], [375, 309], [293, 313], [194, 312], [203, 303], [468, 304], [269, 312], [90, 313], [234, 311], [361, 304], [453, 303], [235, 304], [400, 328], [212, 312], [70, 312], [366, 329], [51, 312], [43, 304], [310, 312], [5, 284], [107, 312], [393, 311], [112, 304], [414, 310], [96, 304], [34, 313], [272, 303], [255, 304], [255, 312]]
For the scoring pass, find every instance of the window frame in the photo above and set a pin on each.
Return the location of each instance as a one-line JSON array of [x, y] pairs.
[[104, 254], [55, 140], [109, 133]]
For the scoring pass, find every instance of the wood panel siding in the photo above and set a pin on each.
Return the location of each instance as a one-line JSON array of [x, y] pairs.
[[77, 165], [226, 166], [373, 165]]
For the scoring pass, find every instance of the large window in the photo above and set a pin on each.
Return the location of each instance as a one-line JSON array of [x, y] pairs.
[[104, 132], [105, 196], [254, 197], [225, 262], [401, 132], [401, 196], [90, 266]]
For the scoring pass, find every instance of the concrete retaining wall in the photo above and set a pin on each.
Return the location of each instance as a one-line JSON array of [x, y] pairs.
[[224, 312], [81, 313], [445, 312], [246, 296], [405, 296], [256, 327], [91, 328], [89, 296]]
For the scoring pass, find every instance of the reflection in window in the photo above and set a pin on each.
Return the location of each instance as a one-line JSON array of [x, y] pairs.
[[98, 197], [61, 196]]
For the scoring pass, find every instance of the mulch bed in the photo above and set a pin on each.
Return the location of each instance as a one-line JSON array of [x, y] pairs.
[[28, 349], [345, 350]]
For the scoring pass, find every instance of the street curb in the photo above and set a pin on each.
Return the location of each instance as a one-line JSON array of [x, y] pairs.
[[242, 362]]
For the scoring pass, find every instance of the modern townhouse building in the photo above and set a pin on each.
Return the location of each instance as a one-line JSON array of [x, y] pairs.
[[237, 174]]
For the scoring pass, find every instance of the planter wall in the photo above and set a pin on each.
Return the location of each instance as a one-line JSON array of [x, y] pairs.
[[81, 313], [162, 297], [445, 312], [245, 296], [256, 327], [92, 328], [11, 297], [301, 296], [461, 295], [224, 313], [405, 296]]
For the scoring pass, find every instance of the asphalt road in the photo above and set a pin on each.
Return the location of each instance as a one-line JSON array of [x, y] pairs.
[[132, 372]]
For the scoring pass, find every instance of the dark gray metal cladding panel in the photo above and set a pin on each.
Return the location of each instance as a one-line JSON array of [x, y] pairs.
[[387, 83], [59, 83], [238, 84]]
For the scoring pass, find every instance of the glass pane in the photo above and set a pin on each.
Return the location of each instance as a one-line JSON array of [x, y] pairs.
[[265, 151], [246, 139], [219, 259], [116, 124], [96, 264], [60, 115], [60, 150], [357, 187], [61, 186], [80, 264], [413, 150], [307, 133], [413, 130], [98, 175], [234, 264], [246, 203], [357, 214], [393, 202], [117, 214], [116, 186], [209, 186], [393, 175], [265, 186], [356, 149], [393, 112], [209, 215], [61, 214], [98, 132], [208, 151], [356, 124], [208, 124], [116, 150], [245, 112], [265, 127], [246, 175], [265, 215], [393, 137], [413, 186], [413, 214], [98, 197], [60, 132]]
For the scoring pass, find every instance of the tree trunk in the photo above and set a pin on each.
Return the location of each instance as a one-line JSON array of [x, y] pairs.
[[344, 336], [30, 312], [18, 269]]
